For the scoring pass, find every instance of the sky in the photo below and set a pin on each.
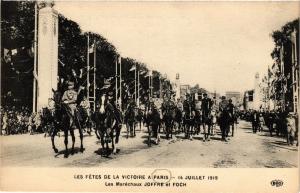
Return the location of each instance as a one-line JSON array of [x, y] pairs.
[[218, 45]]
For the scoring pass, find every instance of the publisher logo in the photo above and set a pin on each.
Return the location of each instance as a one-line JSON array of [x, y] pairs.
[[277, 183]]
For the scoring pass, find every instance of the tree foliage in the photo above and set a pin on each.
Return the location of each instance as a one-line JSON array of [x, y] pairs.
[[17, 27]]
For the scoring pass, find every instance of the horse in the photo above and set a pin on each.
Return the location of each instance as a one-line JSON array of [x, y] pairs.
[[154, 122], [197, 121], [85, 117], [233, 121], [47, 121], [224, 122], [130, 120], [213, 122], [168, 114], [188, 120], [178, 120], [139, 117], [66, 121], [106, 124]]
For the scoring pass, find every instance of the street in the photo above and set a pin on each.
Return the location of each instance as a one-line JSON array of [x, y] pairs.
[[245, 149]]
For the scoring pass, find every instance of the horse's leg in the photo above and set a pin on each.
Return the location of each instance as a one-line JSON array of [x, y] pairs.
[[232, 131], [134, 129], [73, 139], [81, 138], [114, 149], [288, 138], [66, 142], [118, 131], [172, 125], [52, 140], [102, 143], [127, 127], [107, 147], [140, 124], [209, 131], [204, 132], [149, 135]]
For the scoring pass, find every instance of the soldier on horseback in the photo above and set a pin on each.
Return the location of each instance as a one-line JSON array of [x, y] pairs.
[[130, 116], [117, 111], [70, 99], [188, 115], [224, 118], [206, 107], [168, 112], [232, 116], [198, 116], [178, 116]]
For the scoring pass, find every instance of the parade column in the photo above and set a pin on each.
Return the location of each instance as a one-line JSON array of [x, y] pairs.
[[47, 68]]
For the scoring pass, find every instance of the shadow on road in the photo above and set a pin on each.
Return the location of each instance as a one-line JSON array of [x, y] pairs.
[[75, 151], [105, 153]]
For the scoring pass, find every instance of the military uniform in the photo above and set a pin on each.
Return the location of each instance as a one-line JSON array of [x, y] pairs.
[[224, 118], [113, 106], [206, 108], [70, 98], [188, 109]]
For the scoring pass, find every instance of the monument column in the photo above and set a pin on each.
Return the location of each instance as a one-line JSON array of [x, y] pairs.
[[47, 68]]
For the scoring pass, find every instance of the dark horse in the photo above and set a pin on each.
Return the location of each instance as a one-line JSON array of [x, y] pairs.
[[106, 125], [224, 122], [154, 122], [168, 112], [130, 120], [188, 120], [63, 119], [178, 120]]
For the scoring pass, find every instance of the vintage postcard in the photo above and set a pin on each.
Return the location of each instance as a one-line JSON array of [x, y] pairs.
[[150, 96]]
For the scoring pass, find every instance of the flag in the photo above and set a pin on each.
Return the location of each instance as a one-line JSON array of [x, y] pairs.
[[7, 55], [142, 72], [14, 51], [62, 64], [81, 71], [74, 73], [91, 49], [132, 68], [30, 51]]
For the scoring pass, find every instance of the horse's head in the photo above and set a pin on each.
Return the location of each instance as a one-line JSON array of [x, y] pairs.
[[56, 96]]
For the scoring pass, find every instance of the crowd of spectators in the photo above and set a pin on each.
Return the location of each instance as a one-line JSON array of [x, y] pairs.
[[19, 120], [276, 122]]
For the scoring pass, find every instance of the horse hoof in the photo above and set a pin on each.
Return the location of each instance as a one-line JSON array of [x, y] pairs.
[[55, 150]]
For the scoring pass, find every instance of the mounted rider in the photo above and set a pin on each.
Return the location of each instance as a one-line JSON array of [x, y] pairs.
[[188, 107], [168, 104], [70, 99], [168, 111], [231, 109], [206, 107], [198, 115], [116, 111], [188, 115], [224, 117]]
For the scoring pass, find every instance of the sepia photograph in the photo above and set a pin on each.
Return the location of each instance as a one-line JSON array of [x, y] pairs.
[[162, 96]]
